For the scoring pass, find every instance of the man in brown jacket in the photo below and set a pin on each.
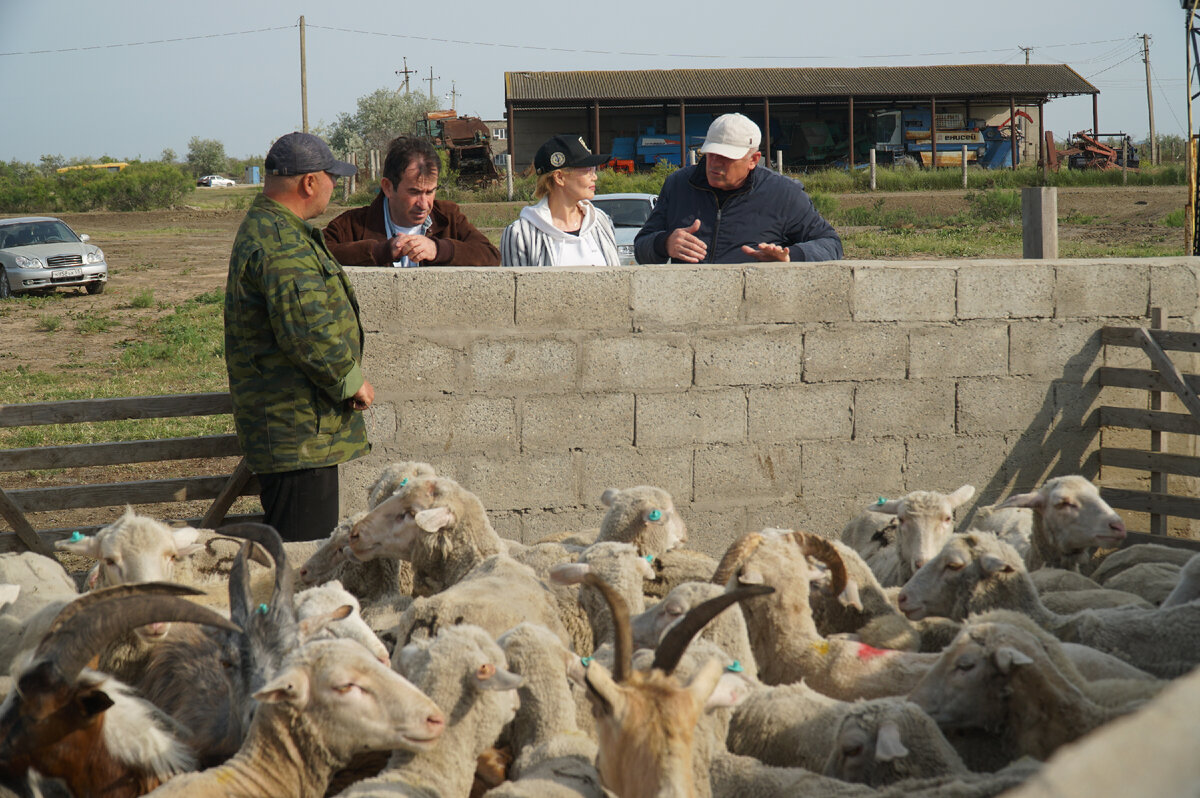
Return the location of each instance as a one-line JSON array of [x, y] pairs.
[[405, 225]]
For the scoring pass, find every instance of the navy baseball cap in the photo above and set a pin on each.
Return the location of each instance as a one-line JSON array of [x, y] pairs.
[[302, 153], [564, 152]]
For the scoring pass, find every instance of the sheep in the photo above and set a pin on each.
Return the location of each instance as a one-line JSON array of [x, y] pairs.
[[80, 725], [1123, 559], [134, 548], [1188, 587], [644, 516], [889, 740], [676, 567], [727, 630], [998, 677], [315, 606], [923, 522], [42, 583], [1150, 581], [1060, 524], [976, 572], [1058, 580], [465, 672], [394, 476], [329, 701], [618, 564], [1065, 602]]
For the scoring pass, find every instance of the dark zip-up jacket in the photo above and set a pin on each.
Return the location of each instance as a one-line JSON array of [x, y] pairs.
[[768, 208]]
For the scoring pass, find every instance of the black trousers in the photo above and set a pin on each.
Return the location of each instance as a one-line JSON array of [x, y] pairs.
[[302, 505]]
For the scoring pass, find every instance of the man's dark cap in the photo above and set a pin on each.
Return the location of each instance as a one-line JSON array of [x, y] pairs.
[[301, 153], [564, 152]]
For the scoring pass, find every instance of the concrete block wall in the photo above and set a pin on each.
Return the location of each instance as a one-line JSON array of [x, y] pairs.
[[786, 395]]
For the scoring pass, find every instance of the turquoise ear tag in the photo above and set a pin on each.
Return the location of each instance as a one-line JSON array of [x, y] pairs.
[[76, 536], [736, 667], [881, 500], [404, 482], [586, 661], [263, 609], [655, 515], [650, 558]]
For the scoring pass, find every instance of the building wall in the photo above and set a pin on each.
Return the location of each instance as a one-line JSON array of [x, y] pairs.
[[788, 395]]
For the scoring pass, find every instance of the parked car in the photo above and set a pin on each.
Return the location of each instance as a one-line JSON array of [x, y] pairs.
[[215, 180], [41, 253], [628, 212]]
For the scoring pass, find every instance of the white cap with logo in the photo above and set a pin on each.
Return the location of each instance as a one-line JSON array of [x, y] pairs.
[[732, 136]]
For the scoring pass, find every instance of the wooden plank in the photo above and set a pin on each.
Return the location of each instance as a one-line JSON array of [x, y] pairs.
[[1146, 502], [78, 410], [71, 497], [1142, 460], [1149, 419], [1169, 372], [233, 488], [1142, 379], [30, 541], [9, 542], [1132, 538], [119, 452], [1167, 339]]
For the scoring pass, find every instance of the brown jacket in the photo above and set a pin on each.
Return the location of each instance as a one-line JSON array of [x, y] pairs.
[[352, 237]]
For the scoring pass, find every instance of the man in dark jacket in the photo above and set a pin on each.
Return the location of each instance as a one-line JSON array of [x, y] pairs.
[[724, 210], [406, 225]]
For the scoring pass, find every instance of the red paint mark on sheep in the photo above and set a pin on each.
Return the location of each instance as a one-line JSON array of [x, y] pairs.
[[866, 652]]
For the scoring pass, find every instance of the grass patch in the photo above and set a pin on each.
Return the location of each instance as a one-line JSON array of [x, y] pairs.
[[143, 299], [49, 324], [94, 324], [1173, 219]]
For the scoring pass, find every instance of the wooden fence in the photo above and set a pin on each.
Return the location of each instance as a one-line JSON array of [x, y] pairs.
[[1164, 377], [223, 489]]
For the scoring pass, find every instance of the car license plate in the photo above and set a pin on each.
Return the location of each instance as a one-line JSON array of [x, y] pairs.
[[63, 274]]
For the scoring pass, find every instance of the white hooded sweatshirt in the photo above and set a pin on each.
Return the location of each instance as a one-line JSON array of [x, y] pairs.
[[533, 240]]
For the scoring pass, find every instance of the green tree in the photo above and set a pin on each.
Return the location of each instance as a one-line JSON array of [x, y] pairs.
[[51, 163], [206, 156], [380, 117], [168, 155]]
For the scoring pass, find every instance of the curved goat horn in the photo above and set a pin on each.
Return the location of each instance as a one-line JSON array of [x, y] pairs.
[[623, 642], [735, 555], [677, 638], [820, 549], [85, 633], [268, 537], [105, 593]]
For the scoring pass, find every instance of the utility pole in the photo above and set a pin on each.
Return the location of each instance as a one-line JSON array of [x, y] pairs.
[[1154, 159], [405, 72], [1027, 50], [303, 81], [454, 96], [431, 79]]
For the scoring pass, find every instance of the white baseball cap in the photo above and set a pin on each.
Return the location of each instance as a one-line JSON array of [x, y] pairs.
[[732, 136]]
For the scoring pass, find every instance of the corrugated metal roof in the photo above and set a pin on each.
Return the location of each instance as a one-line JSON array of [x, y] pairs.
[[1002, 80]]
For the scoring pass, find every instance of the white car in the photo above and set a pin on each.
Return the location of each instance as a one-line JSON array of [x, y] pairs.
[[628, 213], [40, 253], [215, 180]]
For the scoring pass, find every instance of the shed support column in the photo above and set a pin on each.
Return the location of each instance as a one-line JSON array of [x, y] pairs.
[[1042, 154], [850, 154], [933, 130], [683, 148], [1012, 132], [595, 126], [767, 127], [1095, 114], [512, 140]]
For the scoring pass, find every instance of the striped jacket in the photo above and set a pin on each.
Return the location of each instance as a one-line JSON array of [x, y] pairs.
[[532, 239]]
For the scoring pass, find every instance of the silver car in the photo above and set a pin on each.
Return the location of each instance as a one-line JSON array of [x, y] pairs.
[[628, 212], [40, 253]]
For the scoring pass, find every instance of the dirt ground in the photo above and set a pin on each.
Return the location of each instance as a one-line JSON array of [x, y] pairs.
[[179, 254]]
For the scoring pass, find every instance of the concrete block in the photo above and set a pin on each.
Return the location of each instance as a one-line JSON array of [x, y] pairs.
[[904, 292], [1001, 405], [375, 290], [562, 423], [798, 292], [467, 425], [382, 423], [1054, 350], [1101, 288], [455, 298], [401, 366], [823, 515], [780, 514], [945, 464], [624, 467], [808, 412], [539, 524], [573, 299], [713, 526], [1174, 286], [868, 352], [638, 362], [750, 356], [696, 416], [508, 524], [1005, 289], [520, 364], [907, 407], [685, 296], [523, 482], [1039, 222], [861, 467], [977, 349], [746, 472]]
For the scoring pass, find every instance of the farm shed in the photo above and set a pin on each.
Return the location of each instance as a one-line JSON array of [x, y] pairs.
[[811, 115]]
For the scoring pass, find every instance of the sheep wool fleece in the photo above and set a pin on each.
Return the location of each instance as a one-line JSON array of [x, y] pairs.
[[293, 345]]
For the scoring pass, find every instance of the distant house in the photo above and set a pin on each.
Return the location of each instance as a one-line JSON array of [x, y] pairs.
[[499, 139]]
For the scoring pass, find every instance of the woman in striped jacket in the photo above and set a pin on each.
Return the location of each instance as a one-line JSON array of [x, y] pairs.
[[562, 228]]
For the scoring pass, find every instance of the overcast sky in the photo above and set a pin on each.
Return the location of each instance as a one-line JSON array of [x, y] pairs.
[[130, 78]]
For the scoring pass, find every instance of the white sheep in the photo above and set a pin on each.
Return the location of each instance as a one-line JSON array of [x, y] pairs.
[[1188, 587], [644, 516], [315, 609], [1118, 561], [727, 630], [41, 583], [923, 520], [1150, 581], [394, 476]]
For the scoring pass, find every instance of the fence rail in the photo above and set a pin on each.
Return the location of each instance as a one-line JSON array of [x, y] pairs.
[[223, 489]]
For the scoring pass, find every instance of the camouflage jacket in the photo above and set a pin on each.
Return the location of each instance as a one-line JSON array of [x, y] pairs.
[[293, 345]]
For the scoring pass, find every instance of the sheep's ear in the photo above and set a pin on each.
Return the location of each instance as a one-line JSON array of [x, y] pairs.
[[1007, 657], [730, 691], [185, 540], [887, 508], [576, 670], [888, 745], [705, 681], [645, 569], [569, 573], [608, 497], [961, 496], [750, 577], [435, 519], [489, 677], [992, 565], [1033, 500], [93, 577], [316, 623], [850, 597], [289, 687], [8, 594], [86, 545]]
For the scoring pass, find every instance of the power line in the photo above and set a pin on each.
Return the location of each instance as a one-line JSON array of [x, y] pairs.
[[154, 41]]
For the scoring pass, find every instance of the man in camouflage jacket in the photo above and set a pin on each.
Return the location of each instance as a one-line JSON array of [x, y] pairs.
[[293, 344]]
